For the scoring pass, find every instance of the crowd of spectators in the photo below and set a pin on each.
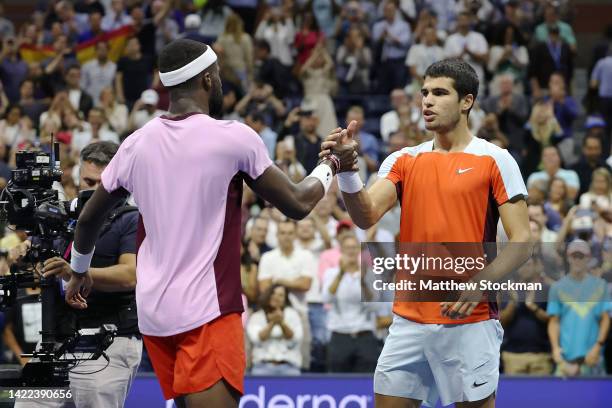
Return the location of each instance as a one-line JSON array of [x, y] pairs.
[[293, 71]]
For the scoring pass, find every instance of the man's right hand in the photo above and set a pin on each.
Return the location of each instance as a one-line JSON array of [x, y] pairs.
[[342, 144]]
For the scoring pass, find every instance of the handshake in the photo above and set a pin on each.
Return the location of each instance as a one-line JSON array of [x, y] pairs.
[[339, 149]]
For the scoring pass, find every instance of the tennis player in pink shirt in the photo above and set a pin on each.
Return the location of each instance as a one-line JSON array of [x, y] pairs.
[[185, 171]]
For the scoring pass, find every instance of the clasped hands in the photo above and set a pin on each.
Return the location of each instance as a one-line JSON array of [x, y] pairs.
[[341, 144]]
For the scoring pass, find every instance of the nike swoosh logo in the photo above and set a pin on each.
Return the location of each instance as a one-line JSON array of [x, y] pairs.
[[478, 385], [461, 171]]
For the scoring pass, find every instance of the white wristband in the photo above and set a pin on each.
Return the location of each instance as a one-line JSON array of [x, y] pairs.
[[324, 174], [350, 182], [80, 262]]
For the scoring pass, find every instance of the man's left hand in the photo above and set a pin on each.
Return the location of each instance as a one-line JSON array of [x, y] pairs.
[[463, 307], [78, 288]]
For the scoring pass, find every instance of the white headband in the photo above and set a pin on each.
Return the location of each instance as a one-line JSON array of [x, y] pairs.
[[186, 72]]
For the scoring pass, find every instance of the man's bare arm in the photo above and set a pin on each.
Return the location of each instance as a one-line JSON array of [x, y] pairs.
[[294, 200], [366, 207], [297, 200], [515, 220]]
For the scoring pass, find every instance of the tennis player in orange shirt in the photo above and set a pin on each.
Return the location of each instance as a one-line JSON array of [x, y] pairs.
[[453, 188]]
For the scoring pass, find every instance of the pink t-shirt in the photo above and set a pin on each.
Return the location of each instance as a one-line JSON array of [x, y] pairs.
[[186, 176]]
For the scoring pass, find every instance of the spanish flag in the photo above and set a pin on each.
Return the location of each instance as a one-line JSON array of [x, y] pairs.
[[85, 50], [35, 53]]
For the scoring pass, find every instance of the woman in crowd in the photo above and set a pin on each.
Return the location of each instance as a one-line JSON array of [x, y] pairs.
[[116, 113], [319, 82], [275, 332], [351, 320], [307, 38], [287, 160], [542, 130], [599, 196], [59, 105], [237, 49], [15, 128], [558, 203]]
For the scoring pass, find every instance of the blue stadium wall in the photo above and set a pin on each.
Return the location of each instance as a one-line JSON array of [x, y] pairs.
[[329, 391]]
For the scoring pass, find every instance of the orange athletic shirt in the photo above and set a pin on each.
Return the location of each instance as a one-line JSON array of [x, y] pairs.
[[451, 197]]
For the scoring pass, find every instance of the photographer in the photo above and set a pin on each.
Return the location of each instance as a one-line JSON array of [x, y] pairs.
[[112, 300]]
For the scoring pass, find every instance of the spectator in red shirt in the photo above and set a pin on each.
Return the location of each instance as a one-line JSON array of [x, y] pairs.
[[307, 38]]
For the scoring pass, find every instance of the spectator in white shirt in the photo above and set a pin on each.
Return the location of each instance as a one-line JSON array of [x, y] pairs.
[[445, 12], [296, 270], [95, 129], [116, 113], [551, 163], [424, 54], [351, 321], [328, 212], [287, 265], [98, 73], [469, 45], [393, 35], [389, 122], [312, 236], [279, 31], [214, 15], [144, 109], [275, 332]]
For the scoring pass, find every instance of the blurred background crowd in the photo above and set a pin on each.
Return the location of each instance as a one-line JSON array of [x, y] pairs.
[[293, 70]]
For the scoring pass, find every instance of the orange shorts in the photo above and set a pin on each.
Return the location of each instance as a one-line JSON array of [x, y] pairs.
[[196, 360]]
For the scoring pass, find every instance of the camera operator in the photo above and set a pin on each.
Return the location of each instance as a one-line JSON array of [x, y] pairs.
[[98, 383]]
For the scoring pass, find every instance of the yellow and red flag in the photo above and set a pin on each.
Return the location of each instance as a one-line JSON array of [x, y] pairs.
[[85, 50]]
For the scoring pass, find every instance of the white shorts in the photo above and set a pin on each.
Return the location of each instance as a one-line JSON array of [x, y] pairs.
[[453, 362]]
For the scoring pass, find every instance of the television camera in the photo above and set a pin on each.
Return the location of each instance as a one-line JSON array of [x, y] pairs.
[[31, 204]]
